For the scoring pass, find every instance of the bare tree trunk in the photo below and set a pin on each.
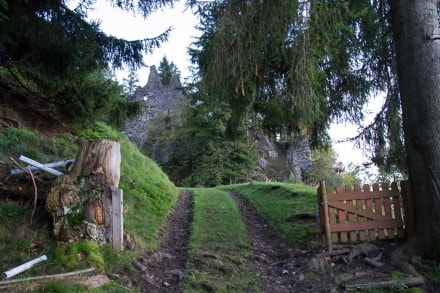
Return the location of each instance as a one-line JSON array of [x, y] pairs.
[[80, 202], [416, 31]]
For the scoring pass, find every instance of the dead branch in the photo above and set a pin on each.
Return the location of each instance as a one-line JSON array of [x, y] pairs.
[[408, 282], [362, 249], [56, 276], [24, 170], [22, 190], [337, 252], [374, 261], [89, 282], [400, 258]]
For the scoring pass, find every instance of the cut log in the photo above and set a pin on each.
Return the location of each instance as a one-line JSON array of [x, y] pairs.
[[374, 261], [408, 282], [362, 249], [81, 202]]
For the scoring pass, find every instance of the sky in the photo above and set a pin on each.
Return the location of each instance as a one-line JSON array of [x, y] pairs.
[[124, 25]]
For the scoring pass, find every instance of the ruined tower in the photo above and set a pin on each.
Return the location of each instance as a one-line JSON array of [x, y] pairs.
[[158, 98]]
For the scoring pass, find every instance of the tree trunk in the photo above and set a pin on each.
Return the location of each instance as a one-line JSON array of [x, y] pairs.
[[416, 31], [81, 202]]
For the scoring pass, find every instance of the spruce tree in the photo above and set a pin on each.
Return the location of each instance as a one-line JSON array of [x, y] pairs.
[[51, 50], [166, 70]]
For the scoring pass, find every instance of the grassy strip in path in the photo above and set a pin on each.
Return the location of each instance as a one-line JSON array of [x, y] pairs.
[[220, 253], [278, 203]]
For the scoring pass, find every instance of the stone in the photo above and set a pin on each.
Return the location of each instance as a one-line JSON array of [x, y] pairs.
[[294, 157], [158, 99], [177, 274]]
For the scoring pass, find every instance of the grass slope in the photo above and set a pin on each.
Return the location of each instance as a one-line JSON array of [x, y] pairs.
[[148, 197], [279, 202], [220, 253]]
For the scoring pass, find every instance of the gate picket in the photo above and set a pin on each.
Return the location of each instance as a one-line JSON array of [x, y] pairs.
[[368, 213], [351, 216]]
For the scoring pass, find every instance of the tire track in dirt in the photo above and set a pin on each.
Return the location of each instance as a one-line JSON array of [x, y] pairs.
[[163, 270], [279, 266]]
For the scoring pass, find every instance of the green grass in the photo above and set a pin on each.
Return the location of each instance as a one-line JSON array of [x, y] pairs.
[[148, 197], [277, 202], [220, 253], [21, 141]]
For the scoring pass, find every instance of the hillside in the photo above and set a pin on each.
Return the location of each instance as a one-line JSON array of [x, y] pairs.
[[246, 237], [148, 197]]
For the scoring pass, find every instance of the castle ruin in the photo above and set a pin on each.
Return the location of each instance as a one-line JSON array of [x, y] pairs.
[[158, 98], [165, 99]]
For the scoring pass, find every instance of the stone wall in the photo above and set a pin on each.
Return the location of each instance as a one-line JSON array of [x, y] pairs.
[[158, 98], [281, 161]]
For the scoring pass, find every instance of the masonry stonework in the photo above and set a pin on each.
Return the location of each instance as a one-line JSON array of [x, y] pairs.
[[158, 98]]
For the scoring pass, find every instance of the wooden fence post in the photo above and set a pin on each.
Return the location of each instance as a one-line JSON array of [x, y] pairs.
[[117, 219], [326, 218]]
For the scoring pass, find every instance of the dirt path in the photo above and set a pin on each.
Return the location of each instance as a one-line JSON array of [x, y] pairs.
[[279, 266], [163, 271], [285, 269]]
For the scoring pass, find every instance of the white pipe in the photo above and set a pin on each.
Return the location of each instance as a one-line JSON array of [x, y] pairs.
[[49, 165], [40, 166], [23, 267]]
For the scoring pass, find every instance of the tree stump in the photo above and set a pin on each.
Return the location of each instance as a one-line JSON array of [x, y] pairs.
[[81, 202]]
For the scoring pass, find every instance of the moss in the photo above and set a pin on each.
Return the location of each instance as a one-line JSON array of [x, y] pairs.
[[80, 255]]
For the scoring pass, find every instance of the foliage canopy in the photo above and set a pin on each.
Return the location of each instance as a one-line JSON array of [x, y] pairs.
[[51, 50], [292, 67]]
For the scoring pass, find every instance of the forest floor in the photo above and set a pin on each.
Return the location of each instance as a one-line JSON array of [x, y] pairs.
[[281, 267]]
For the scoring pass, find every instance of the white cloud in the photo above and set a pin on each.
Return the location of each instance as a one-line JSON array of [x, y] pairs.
[[128, 26]]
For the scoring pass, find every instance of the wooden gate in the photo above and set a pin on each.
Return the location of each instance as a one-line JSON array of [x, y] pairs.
[[365, 214]]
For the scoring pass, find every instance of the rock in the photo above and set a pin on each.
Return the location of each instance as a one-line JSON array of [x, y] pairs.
[[301, 277], [177, 274], [128, 243], [139, 266], [159, 256]]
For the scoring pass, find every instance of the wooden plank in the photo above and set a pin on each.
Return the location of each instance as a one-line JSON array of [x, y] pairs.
[[369, 209], [389, 201], [378, 209], [371, 226], [341, 216], [326, 214], [117, 219], [363, 195], [351, 216], [360, 204], [332, 214], [354, 217], [397, 210], [387, 206], [368, 214]]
